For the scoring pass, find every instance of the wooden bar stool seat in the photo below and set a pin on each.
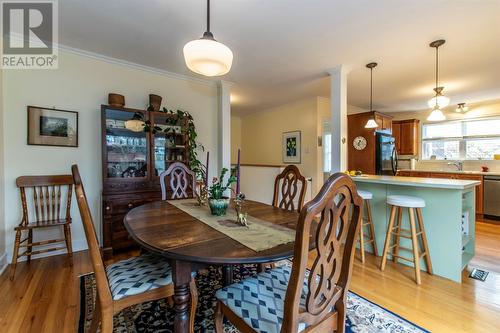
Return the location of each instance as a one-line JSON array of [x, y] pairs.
[[413, 204], [366, 222]]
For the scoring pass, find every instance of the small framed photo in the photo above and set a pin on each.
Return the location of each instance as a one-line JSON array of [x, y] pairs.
[[52, 127], [291, 147]]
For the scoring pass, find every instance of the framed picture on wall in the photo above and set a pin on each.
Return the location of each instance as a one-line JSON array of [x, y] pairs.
[[291, 147], [52, 127]]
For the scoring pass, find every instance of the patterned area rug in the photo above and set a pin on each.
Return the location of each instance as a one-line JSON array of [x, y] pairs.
[[363, 316]]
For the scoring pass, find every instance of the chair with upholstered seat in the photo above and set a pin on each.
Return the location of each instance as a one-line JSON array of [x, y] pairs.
[[124, 283], [293, 299], [287, 186], [177, 182]]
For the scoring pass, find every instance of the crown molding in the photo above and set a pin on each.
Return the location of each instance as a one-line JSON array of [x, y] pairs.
[[133, 65]]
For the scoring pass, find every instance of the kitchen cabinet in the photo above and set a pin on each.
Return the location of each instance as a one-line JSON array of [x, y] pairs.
[[407, 135], [364, 159], [451, 175]]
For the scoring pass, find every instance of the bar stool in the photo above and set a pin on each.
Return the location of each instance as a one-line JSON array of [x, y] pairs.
[[366, 196], [398, 203]]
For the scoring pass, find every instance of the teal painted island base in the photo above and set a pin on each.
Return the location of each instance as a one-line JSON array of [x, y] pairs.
[[449, 218]]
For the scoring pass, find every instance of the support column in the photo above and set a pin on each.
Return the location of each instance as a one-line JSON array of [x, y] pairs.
[[338, 106], [224, 140]]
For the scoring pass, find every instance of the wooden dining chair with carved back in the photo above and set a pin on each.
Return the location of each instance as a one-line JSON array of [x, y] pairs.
[[295, 299], [127, 282], [178, 181], [46, 202], [287, 186]]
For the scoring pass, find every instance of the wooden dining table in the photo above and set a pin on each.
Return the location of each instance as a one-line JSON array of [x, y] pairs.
[[190, 244]]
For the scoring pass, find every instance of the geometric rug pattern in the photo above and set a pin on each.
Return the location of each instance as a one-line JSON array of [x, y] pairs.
[[363, 316]]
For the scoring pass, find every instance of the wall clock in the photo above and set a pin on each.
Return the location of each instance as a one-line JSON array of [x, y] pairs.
[[359, 143]]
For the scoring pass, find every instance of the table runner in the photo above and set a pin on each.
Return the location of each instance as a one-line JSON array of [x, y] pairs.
[[259, 235]]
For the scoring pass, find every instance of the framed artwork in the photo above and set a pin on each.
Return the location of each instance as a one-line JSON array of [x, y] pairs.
[[291, 147], [52, 127]]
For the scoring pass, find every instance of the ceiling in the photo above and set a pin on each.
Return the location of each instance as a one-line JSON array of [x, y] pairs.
[[282, 48]]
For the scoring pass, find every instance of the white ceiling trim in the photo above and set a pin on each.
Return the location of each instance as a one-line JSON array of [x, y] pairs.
[[133, 65]]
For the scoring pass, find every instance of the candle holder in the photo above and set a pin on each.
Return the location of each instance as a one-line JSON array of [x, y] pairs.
[[241, 217]]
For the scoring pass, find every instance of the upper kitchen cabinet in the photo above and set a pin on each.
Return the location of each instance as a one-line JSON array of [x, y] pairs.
[[406, 133], [384, 121]]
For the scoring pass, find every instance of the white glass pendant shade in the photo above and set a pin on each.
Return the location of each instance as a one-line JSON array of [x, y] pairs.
[[436, 115], [439, 100], [371, 123], [134, 125], [208, 57]]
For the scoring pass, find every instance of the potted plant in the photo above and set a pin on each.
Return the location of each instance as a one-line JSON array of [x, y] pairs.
[[217, 201]]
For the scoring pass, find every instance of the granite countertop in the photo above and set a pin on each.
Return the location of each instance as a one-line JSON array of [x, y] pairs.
[[463, 172], [418, 181]]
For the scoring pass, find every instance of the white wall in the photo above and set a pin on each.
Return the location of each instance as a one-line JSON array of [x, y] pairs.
[[2, 195], [81, 84]]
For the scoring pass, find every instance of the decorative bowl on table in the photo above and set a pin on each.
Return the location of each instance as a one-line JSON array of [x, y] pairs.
[[218, 207]]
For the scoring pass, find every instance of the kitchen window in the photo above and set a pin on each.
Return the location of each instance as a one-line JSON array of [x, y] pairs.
[[461, 140]]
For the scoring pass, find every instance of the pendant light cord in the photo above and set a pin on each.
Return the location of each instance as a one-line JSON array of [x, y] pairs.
[[208, 15], [437, 66], [371, 89]]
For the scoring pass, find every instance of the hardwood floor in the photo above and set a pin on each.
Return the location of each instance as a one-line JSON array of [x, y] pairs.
[[44, 297]]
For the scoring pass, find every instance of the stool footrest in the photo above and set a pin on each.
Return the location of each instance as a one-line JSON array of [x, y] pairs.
[[402, 257]]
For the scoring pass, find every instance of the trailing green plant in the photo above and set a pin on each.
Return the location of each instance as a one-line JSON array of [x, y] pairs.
[[217, 189]]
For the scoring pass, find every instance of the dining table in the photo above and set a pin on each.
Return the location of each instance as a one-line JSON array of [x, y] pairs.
[[189, 244]]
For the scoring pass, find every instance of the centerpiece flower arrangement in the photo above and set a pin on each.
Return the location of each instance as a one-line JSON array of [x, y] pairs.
[[217, 201]]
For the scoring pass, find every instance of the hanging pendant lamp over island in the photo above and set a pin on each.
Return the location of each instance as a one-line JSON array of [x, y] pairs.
[[371, 123], [206, 56], [439, 100]]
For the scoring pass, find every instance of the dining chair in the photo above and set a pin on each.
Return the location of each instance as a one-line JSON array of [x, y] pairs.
[[295, 299], [286, 189], [43, 210], [124, 283], [181, 182]]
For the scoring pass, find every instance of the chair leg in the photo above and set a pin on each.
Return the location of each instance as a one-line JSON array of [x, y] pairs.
[[69, 246], [372, 229], [96, 317], [388, 237], [30, 241], [15, 254], [107, 321], [361, 236], [219, 317], [194, 303], [416, 257], [399, 220], [341, 318], [427, 256]]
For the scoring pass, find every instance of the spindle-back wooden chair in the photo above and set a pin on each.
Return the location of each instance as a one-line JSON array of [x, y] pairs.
[[124, 283], [286, 188], [46, 202], [291, 300], [181, 182]]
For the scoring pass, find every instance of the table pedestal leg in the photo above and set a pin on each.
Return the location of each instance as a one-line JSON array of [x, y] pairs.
[[227, 275], [181, 273]]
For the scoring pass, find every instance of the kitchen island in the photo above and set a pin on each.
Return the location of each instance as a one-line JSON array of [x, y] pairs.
[[449, 217]]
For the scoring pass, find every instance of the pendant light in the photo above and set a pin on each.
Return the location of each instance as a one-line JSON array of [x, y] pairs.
[[462, 108], [439, 99], [136, 124], [371, 123], [206, 56]]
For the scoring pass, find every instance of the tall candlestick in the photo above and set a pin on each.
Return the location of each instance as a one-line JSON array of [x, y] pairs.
[[238, 174], [206, 169]]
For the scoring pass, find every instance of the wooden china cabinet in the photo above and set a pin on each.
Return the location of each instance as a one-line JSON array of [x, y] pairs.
[[131, 163]]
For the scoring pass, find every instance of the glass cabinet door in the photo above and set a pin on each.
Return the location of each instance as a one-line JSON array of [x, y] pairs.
[[168, 142], [126, 144]]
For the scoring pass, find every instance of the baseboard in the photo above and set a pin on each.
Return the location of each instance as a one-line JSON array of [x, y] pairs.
[[3, 262], [78, 245]]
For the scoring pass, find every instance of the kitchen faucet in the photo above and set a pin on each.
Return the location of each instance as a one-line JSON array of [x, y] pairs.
[[459, 165]]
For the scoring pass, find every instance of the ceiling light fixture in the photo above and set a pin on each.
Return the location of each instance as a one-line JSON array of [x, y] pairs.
[[371, 123], [462, 108], [439, 99], [206, 56]]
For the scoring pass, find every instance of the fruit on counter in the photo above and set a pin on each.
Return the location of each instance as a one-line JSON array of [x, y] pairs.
[[353, 172]]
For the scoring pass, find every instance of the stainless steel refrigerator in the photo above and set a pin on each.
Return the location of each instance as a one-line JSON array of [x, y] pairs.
[[386, 159]]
